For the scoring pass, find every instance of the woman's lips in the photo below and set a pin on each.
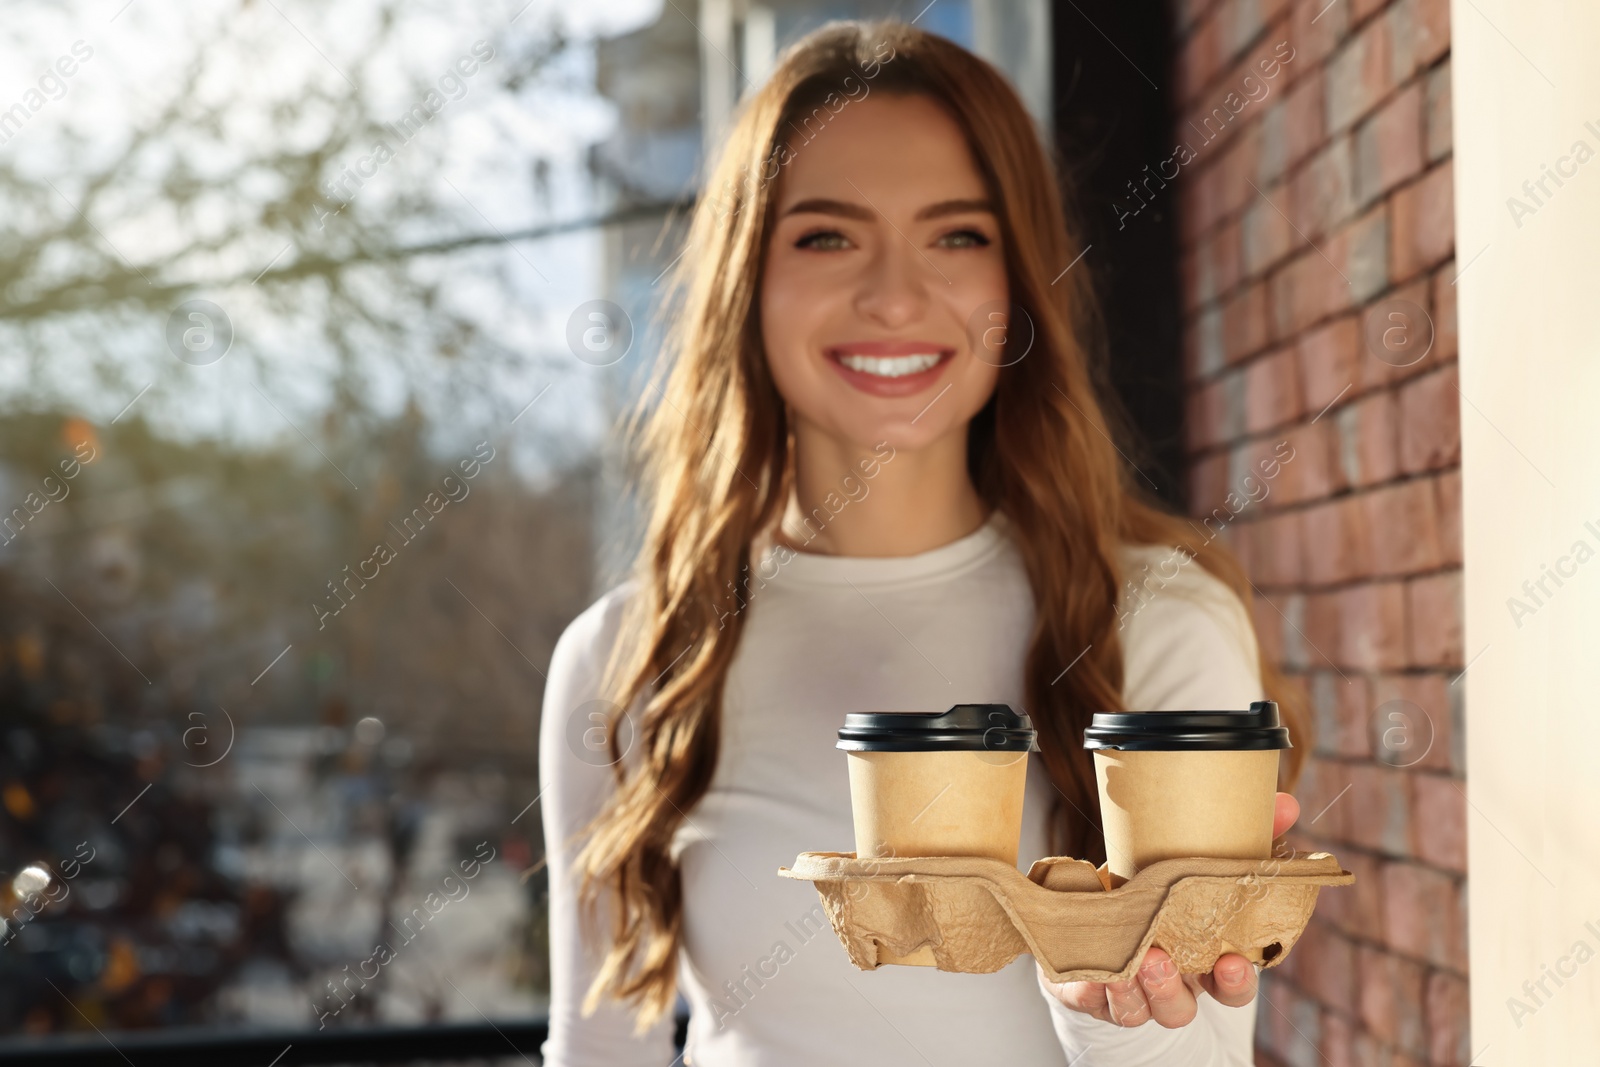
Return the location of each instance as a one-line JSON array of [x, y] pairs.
[[880, 385]]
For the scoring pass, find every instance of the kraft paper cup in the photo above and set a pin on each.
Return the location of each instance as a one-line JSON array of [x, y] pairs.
[[1178, 784], [941, 784]]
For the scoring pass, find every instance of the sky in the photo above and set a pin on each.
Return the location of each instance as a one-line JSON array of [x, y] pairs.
[[475, 159]]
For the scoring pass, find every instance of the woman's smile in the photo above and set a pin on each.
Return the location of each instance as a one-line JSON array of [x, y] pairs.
[[890, 368]]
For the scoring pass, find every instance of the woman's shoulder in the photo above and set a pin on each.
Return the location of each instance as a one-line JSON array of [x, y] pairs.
[[1188, 640], [574, 765], [581, 650]]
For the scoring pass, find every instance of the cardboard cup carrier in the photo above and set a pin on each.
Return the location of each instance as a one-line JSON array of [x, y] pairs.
[[1175, 784], [1187, 802], [945, 783]]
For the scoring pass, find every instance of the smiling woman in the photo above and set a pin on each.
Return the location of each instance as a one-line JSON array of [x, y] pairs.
[[849, 303]]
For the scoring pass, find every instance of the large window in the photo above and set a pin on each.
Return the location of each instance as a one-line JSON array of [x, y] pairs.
[[297, 490]]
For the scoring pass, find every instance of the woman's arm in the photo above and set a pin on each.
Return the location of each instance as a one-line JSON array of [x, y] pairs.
[[1190, 646], [574, 781]]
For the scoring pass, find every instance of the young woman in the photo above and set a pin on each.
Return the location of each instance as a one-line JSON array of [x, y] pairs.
[[880, 476]]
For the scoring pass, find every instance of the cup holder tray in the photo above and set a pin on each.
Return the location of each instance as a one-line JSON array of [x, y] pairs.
[[973, 914]]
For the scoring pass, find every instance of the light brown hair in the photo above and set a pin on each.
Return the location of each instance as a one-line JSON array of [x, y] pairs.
[[717, 470]]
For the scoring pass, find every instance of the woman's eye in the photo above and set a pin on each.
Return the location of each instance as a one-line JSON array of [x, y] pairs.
[[822, 240], [965, 239]]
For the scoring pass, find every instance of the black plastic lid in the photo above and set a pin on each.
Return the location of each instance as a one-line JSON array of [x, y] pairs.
[[981, 727], [1167, 731]]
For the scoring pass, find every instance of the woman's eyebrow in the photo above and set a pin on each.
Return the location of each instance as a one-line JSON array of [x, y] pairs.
[[844, 209]]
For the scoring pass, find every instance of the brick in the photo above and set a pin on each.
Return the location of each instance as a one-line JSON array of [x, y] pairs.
[[1329, 363], [1423, 916], [1244, 323], [1430, 29], [1434, 606], [1354, 698], [1237, 25], [1321, 782], [1327, 967], [1315, 29], [1373, 626], [1227, 256], [1359, 75], [1293, 1026], [1338, 1042], [1322, 193], [1342, 706], [1447, 505], [1275, 550], [1266, 232], [1391, 999], [1306, 463], [1250, 79], [1239, 165], [1303, 117], [1186, 13], [1362, 250], [1271, 390], [1211, 421], [1397, 342], [1358, 628], [1323, 707], [1445, 337], [1430, 422], [1439, 822], [1413, 721], [1449, 1011], [1208, 477], [1306, 290], [1439, 137], [1360, 9], [1274, 157], [1208, 340], [1377, 809], [1271, 630], [1369, 441], [1290, 611], [1389, 145], [1404, 529], [1338, 542], [1199, 199], [1355, 910], [1424, 232]]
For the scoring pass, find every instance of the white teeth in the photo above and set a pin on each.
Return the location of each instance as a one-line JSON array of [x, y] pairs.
[[890, 366]]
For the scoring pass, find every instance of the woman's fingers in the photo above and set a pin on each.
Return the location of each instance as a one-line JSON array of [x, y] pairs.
[[1158, 991], [1232, 981], [1126, 1003], [1171, 1001], [1286, 809]]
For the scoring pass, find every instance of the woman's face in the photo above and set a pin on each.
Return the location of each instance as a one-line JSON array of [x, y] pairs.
[[883, 269]]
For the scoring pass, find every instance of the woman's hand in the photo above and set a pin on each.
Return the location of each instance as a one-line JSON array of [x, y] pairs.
[[1157, 991]]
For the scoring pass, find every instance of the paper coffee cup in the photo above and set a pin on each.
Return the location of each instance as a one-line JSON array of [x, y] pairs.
[[937, 784], [1176, 784]]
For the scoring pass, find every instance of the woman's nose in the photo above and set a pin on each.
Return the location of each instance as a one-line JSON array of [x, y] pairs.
[[893, 288]]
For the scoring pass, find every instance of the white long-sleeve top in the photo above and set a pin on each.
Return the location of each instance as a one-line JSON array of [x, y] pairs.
[[767, 982]]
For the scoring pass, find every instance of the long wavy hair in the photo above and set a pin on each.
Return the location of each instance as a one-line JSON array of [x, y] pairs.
[[716, 468]]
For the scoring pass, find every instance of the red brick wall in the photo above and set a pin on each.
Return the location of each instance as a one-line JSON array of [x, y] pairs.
[[1323, 201]]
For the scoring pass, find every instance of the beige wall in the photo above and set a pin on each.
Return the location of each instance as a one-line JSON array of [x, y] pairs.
[[1529, 309]]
